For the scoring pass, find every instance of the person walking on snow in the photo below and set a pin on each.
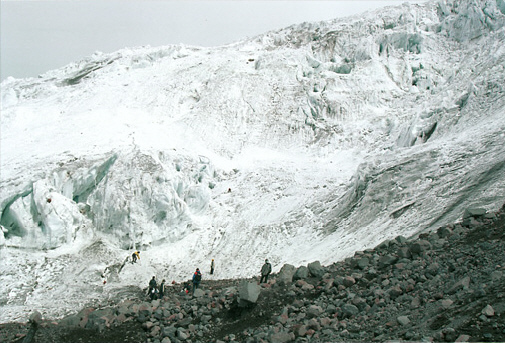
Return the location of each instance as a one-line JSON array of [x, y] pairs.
[[212, 267], [197, 277], [135, 256], [265, 271]]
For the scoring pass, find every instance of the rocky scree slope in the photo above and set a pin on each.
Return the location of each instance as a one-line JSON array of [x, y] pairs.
[[445, 285]]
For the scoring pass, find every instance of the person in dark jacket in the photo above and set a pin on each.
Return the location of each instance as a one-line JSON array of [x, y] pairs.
[[197, 277], [212, 267], [162, 289], [152, 288], [265, 271]]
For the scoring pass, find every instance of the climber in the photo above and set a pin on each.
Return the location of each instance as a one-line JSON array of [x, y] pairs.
[[135, 256], [162, 289], [197, 277], [265, 271], [152, 288]]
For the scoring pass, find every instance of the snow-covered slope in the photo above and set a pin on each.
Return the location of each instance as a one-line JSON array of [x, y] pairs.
[[303, 144]]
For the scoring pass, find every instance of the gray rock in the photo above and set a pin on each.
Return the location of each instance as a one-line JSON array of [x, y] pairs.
[[383, 245], [199, 293], [169, 331], [301, 273], [420, 247], [315, 269], [249, 291], [145, 309], [403, 320], [401, 239], [359, 302], [450, 334], [98, 323], [404, 252], [474, 213], [286, 273], [184, 323], [71, 321], [363, 262], [496, 275], [35, 317], [394, 292], [463, 338], [461, 284], [446, 303], [387, 260], [444, 232], [314, 311], [181, 334], [348, 281], [349, 310], [488, 311], [282, 337]]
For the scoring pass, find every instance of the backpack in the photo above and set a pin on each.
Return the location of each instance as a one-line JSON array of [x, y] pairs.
[[198, 277]]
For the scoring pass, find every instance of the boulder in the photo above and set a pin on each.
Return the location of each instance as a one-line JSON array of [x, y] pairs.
[[474, 213], [71, 321], [145, 309], [315, 269], [348, 281], [360, 262], [461, 284], [403, 320], [169, 331], [314, 311], [401, 239], [419, 247], [301, 273], [286, 273], [198, 293], [444, 232], [387, 260], [282, 337], [488, 311], [404, 252], [349, 310], [249, 292]]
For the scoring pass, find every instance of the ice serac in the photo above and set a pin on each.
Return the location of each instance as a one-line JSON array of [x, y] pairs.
[[148, 199], [302, 144], [52, 210]]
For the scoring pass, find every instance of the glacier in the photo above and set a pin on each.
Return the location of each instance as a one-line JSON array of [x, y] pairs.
[[301, 144]]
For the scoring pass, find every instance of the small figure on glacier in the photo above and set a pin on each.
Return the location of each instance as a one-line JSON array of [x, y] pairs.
[[135, 256], [152, 291], [212, 267], [186, 287], [162, 289], [265, 271], [197, 277]]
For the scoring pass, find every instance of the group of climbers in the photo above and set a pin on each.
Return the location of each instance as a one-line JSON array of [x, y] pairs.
[[157, 292]]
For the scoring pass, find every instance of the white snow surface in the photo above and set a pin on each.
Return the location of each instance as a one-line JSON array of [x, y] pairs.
[[303, 144]]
